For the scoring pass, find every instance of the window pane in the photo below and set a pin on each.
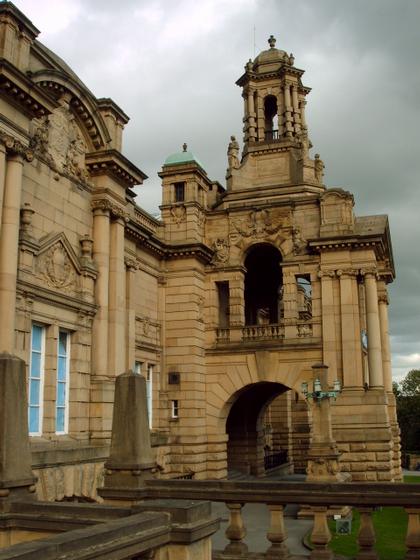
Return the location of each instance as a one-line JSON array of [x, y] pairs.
[[33, 420], [61, 368], [35, 365], [34, 392], [61, 394], [37, 337], [62, 343], [59, 426]]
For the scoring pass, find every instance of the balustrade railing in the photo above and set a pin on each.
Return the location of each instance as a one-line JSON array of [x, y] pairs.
[[319, 497], [261, 332], [271, 135]]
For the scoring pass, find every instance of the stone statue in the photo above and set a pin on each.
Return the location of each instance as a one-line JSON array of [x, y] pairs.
[[319, 169], [232, 153]]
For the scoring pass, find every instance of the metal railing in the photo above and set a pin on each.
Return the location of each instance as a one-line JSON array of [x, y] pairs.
[[274, 460]]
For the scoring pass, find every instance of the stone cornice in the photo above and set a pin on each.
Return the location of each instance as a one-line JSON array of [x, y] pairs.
[[115, 165], [105, 103], [8, 9], [20, 91], [197, 250]]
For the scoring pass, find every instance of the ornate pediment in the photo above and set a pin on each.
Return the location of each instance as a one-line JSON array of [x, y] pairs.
[[57, 264]]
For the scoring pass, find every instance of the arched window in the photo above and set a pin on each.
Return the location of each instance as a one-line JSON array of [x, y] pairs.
[[270, 117], [263, 286]]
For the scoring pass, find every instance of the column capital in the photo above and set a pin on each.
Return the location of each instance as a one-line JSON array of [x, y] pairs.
[[347, 272], [369, 272], [383, 298], [107, 206], [326, 274], [15, 149], [131, 263]]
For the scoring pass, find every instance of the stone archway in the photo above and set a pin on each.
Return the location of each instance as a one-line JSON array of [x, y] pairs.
[[245, 427]]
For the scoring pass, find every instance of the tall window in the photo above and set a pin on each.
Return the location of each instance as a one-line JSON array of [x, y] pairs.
[[179, 192], [36, 380], [149, 392], [62, 395]]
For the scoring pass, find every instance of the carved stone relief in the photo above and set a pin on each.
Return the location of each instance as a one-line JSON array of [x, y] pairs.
[[178, 213], [56, 268], [221, 251], [58, 140]]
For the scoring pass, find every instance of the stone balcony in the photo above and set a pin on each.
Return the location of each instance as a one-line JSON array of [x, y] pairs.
[[285, 332]]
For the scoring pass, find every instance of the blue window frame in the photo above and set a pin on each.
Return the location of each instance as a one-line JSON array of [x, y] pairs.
[[36, 380], [62, 393]]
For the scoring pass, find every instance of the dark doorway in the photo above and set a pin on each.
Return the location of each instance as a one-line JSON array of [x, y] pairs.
[[263, 285], [245, 428]]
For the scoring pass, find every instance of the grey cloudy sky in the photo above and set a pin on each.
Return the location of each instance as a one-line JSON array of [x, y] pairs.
[[172, 67]]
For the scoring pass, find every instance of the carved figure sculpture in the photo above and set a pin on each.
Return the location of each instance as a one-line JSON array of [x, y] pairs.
[[319, 169], [233, 151]]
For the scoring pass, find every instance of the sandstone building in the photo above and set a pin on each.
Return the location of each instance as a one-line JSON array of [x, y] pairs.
[[224, 304]]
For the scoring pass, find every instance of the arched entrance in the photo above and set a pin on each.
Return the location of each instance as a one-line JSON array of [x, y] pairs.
[[245, 427]]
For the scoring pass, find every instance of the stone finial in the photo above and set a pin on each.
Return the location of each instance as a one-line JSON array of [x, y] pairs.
[[16, 477], [131, 459], [184, 147], [248, 66], [272, 41], [291, 59]]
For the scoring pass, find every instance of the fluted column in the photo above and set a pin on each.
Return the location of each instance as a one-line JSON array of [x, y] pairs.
[[350, 329], [386, 350], [376, 379], [117, 303], [101, 229], [9, 240], [296, 115], [131, 267], [329, 337]]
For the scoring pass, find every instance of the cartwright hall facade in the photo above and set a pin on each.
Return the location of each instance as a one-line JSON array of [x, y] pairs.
[[224, 304]]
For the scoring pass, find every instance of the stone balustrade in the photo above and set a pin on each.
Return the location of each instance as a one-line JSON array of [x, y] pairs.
[[294, 329], [319, 497]]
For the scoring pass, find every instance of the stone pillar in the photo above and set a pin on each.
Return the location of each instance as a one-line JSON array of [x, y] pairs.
[[290, 302], [302, 113], [101, 236], [2, 176], [131, 267], [296, 116], [350, 329], [260, 118], [117, 304], [329, 338], [386, 350], [376, 379], [251, 116], [280, 110], [9, 240], [16, 477], [131, 458], [287, 111]]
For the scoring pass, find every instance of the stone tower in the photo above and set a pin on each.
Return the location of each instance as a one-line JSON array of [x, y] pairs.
[[266, 278]]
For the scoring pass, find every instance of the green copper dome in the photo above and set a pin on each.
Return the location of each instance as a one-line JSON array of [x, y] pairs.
[[182, 157]]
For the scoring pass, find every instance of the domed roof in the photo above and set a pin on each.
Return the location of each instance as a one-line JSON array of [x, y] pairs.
[[272, 56], [182, 157]]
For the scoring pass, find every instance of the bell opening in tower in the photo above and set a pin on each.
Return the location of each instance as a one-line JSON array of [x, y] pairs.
[[271, 128]]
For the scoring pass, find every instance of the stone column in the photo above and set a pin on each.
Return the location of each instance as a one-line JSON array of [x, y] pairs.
[[290, 302], [280, 111], [376, 379], [9, 240], [302, 113], [131, 267], [117, 304], [101, 235], [2, 176], [287, 110], [251, 116], [260, 118], [350, 329], [296, 116], [386, 350], [329, 338]]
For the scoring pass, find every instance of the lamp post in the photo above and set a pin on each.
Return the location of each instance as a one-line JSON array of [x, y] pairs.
[[323, 455]]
